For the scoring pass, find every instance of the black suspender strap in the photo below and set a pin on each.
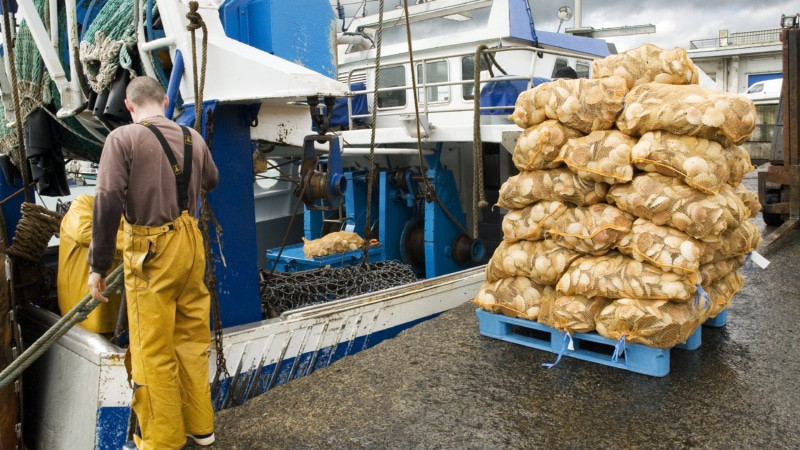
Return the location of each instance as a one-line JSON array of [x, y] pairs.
[[182, 177]]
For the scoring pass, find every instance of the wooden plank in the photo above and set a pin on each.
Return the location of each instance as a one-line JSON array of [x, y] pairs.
[[777, 234]]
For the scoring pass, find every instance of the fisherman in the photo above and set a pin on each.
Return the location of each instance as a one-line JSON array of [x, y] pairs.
[[152, 172]]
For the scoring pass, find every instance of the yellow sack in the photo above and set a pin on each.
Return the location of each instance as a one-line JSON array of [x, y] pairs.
[[73, 269]]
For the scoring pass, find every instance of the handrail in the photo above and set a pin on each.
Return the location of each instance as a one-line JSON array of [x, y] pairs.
[[425, 85]]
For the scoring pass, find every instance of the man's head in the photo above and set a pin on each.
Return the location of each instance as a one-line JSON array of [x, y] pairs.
[[145, 97], [565, 72]]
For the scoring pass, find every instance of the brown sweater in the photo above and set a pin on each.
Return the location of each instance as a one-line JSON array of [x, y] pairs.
[[134, 178]]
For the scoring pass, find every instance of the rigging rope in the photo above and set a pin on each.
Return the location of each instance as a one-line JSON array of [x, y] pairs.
[[18, 157], [478, 195], [34, 231], [371, 177], [77, 314], [206, 214]]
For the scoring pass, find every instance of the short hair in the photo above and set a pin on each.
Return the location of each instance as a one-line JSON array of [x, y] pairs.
[[565, 72], [143, 90]]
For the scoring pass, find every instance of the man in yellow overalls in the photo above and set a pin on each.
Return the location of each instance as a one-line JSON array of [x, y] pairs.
[[152, 172]]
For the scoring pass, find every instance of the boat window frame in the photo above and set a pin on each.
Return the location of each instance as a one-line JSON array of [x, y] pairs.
[[583, 69], [426, 86], [559, 64], [470, 86], [388, 91]]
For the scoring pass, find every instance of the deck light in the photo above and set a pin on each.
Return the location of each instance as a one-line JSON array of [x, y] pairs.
[[790, 21]]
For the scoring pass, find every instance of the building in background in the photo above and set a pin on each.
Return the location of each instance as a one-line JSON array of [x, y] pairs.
[[738, 62]]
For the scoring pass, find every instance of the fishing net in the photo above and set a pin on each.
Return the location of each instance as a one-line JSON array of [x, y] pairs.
[[617, 276], [648, 63], [38, 91], [602, 156], [282, 292], [532, 222], [583, 104], [688, 110], [541, 261], [538, 146], [559, 184], [515, 297], [108, 43], [591, 229]]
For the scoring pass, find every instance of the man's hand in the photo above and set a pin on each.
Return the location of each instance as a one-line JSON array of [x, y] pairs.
[[97, 285]]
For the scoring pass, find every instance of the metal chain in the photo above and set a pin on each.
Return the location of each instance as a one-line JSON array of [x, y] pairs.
[[207, 215], [371, 177]]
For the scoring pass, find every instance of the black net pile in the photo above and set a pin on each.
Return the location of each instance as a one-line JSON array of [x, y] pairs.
[[283, 291]]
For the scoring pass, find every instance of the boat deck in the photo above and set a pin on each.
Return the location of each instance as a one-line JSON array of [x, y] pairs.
[[443, 385]]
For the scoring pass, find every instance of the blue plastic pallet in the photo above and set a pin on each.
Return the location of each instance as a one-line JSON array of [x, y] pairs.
[[720, 321], [637, 358]]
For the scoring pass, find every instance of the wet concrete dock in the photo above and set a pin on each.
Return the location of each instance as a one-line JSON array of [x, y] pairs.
[[441, 385]]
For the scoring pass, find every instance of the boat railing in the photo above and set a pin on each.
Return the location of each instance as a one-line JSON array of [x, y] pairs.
[[427, 106]]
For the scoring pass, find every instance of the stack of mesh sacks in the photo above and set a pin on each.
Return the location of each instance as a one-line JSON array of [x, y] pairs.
[[628, 216]]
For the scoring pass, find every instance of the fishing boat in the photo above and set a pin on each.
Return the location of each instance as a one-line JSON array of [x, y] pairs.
[[394, 128]]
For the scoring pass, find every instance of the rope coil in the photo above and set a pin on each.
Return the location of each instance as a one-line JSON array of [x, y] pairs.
[[34, 231]]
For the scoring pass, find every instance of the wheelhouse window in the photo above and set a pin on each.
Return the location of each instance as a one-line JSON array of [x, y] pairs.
[[582, 69], [560, 63], [433, 72], [468, 73], [392, 77]]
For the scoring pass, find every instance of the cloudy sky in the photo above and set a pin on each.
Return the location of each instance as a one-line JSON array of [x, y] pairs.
[[677, 22]]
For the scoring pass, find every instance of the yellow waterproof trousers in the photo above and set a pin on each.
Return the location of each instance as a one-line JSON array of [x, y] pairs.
[[168, 315]]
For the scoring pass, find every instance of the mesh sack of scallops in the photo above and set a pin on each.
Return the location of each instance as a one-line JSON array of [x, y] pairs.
[[541, 261], [583, 104], [721, 292], [559, 184], [538, 146], [713, 271], [669, 201], [699, 162], [738, 241], [662, 246], [614, 275], [655, 323], [749, 199], [515, 297], [688, 110], [602, 156], [739, 164], [531, 222], [593, 229], [571, 313], [648, 63], [332, 243]]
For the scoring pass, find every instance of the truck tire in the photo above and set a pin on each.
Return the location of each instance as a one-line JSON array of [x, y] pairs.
[[772, 219]]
